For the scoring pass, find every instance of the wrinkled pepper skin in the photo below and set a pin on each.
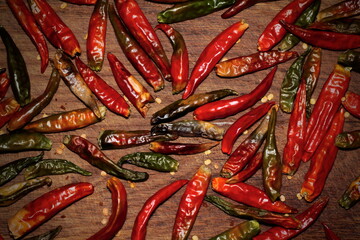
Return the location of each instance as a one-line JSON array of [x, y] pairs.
[[350, 58], [342, 9], [48, 235], [349, 26], [4, 83], [181, 148], [240, 5], [190, 203], [352, 195], [81, 2], [35, 213], [149, 207], [118, 211], [212, 54], [330, 235], [352, 103], [24, 141], [8, 108], [243, 231], [18, 74], [348, 140]]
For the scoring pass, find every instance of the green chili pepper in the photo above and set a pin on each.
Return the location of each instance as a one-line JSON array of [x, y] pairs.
[[348, 140], [12, 169], [47, 236], [53, 167], [24, 141], [150, 160], [351, 196], [181, 107], [19, 77], [244, 231], [350, 58], [192, 9], [10, 194]]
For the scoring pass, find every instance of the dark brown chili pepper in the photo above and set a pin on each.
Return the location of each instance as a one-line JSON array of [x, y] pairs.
[[349, 26], [81, 2], [342, 9], [350, 58], [48, 235], [8, 108], [181, 148], [352, 195], [240, 5], [4, 83], [24, 141], [348, 140]]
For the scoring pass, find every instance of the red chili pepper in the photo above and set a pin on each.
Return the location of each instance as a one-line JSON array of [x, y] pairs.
[[240, 5], [330, 235], [249, 195], [254, 165], [212, 54], [118, 211], [46, 206], [8, 108], [81, 2], [343, 9], [4, 83], [228, 107], [274, 32], [352, 103], [27, 22], [142, 219], [54, 28]]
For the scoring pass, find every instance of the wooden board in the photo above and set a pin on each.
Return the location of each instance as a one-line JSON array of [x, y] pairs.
[[84, 218]]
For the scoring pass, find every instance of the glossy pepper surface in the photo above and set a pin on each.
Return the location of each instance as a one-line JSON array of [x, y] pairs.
[[240, 5], [8, 108], [348, 140], [254, 164], [352, 195], [24, 141], [350, 58], [342, 9], [330, 235], [352, 103], [243, 231], [4, 83], [181, 148], [349, 26], [48, 235]]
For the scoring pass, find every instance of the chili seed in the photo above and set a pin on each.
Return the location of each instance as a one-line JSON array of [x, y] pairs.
[[59, 151], [63, 5], [38, 57], [346, 114], [104, 221], [132, 185], [195, 237], [172, 173], [282, 198], [245, 132], [207, 152], [207, 162], [264, 99], [270, 96], [312, 101], [105, 211], [158, 100], [299, 196], [103, 173], [85, 36], [216, 166], [289, 177]]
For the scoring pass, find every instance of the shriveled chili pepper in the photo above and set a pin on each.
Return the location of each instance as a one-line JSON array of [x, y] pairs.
[[190, 203], [22, 117], [54, 28], [81, 2], [53, 167], [228, 107], [352, 103], [103, 91], [140, 27], [240, 5], [168, 1], [48, 235], [342, 9], [212, 54], [119, 139], [135, 54], [181, 148], [322, 160], [24, 141], [35, 213], [352, 195], [244, 230], [18, 74], [350, 58], [181, 107], [92, 154], [330, 235], [249, 195], [118, 211], [4, 83], [28, 24], [348, 140], [179, 58], [274, 31], [65, 121], [254, 164], [11, 194], [149, 207], [261, 215], [325, 108], [190, 128], [350, 26], [306, 218], [8, 108]]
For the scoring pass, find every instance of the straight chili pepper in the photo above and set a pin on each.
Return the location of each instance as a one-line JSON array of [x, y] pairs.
[[149, 207], [24, 141], [28, 24], [212, 54], [352, 195], [348, 140], [190, 203], [4, 83], [330, 235], [8, 108], [35, 213], [349, 26], [240, 5], [81, 2], [352, 103], [228, 107], [48, 235], [350, 58], [342, 9], [54, 28], [181, 148], [118, 211], [254, 165], [243, 231]]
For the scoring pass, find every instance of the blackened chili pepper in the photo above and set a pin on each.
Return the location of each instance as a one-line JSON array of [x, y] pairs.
[[24, 141], [18, 74], [352, 195], [350, 26], [81, 2], [4, 83], [249, 195], [348, 140], [212, 54], [8, 108], [342, 9], [330, 235], [352, 103], [190, 203], [244, 230], [254, 164], [228, 107], [350, 58], [54, 28], [142, 219], [240, 5], [45, 207], [48, 235], [118, 211], [181, 148], [181, 107]]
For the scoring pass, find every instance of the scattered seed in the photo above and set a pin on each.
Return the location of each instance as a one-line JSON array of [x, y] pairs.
[[238, 41], [38, 57], [216, 166], [312, 101], [343, 99], [158, 100], [289, 177], [304, 46], [1, 132], [282, 198], [103, 173], [224, 59], [105, 211], [195, 237], [118, 234], [63, 5], [62, 146], [299, 196], [264, 99], [346, 114], [59, 151], [270, 96], [85, 36], [104, 221], [83, 135], [45, 115], [246, 132], [132, 185], [207, 162], [172, 173], [207, 152], [286, 215]]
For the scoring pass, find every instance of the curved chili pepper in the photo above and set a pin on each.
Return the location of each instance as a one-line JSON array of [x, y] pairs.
[[225, 108], [254, 165], [81, 2], [330, 235], [35, 213], [149, 207], [181, 148], [350, 58], [244, 230], [22, 117], [24, 141], [212, 54], [352, 103], [18, 74], [350, 26], [4, 83], [306, 218], [168, 1], [28, 24], [8, 108], [348, 140], [249, 195], [179, 58], [342, 9], [48, 235], [104, 92], [190, 203], [118, 211], [240, 5], [274, 31], [352, 195]]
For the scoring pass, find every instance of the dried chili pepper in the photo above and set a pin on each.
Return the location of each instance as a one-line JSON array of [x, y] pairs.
[[240, 5], [48, 235], [104, 92], [330, 235], [142, 219], [350, 58], [212, 54], [352, 195], [181, 107], [24, 141], [181, 148], [306, 218], [8, 108], [28, 24], [254, 164], [342, 9], [249, 195], [22, 117], [349, 26], [190, 203], [18, 74], [244, 230], [168, 1], [261, 215], [348, 140], [228, 107], [352, 103], [81, 2], [4, 83], [54, 28], [118, 211], [35, 213]]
